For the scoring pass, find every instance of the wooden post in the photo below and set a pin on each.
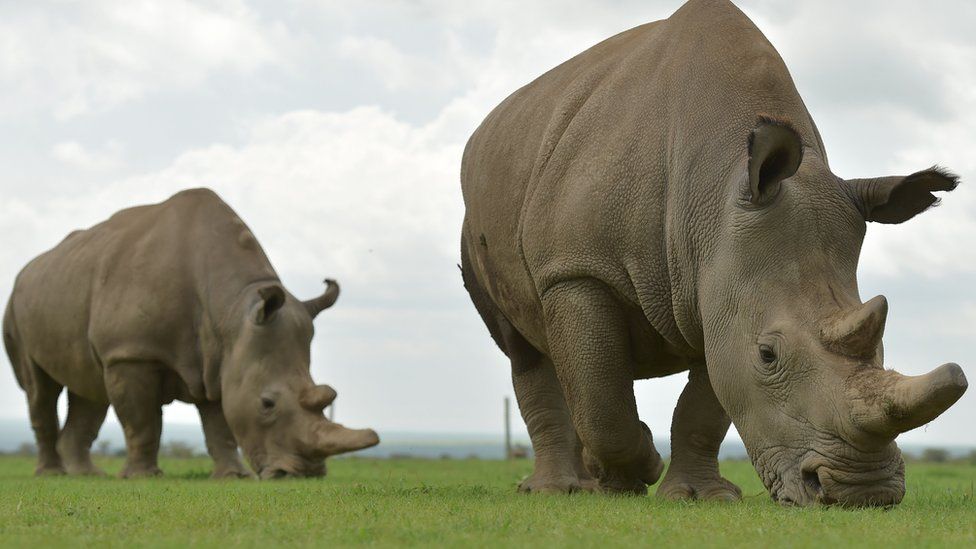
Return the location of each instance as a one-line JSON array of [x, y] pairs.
[[508, 431]]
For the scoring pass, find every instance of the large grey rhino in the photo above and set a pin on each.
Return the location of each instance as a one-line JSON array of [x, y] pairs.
[[662, 203], [171, 301]]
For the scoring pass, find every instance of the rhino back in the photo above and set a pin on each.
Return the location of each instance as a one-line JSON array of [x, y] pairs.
[[502, 164], [150, 284], [617, 165]]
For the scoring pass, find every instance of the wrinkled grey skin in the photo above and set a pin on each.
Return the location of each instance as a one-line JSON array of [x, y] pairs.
[[171, 301], [663, 203]]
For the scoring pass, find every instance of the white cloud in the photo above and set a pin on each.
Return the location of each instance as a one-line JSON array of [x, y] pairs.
[[76, 155], [95, 55], [394, 68]]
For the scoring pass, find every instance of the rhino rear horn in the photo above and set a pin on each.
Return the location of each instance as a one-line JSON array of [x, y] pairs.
[[858, 332], [317, 397], [324, 301], [775, 153]]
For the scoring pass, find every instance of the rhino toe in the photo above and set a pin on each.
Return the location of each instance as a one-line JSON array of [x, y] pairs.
[[715, 489]]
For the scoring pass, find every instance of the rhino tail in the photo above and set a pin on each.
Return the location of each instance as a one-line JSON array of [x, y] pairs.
[[508, 339], [10, 343]]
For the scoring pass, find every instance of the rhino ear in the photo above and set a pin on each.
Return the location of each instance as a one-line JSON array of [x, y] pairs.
[[775, 153], [898, 199], [272, 298]]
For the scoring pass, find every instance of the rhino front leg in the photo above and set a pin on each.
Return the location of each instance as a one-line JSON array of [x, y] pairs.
[[221, 444], [697, 430], [135, 391], [588, 340], [85, 418]]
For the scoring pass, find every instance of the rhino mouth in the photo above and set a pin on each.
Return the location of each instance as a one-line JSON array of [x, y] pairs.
[[280, 471], [834, 483], [817, 477]]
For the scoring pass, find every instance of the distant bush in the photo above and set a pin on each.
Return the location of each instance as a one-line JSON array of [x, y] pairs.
[[935, 455], [26, 449], [177, 449], [103, 448]]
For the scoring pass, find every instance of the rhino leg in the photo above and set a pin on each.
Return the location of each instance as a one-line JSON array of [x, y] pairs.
[[557, 448], [81, 428], [42, 399], [697, 430], [221, 444], [558, 451], [135, 391], [588, 339]]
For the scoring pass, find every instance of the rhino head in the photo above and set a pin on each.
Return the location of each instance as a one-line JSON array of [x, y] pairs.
[[272, 405], [794, 355]]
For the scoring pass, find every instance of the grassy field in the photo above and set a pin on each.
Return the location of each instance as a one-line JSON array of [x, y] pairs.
[[449, 503]]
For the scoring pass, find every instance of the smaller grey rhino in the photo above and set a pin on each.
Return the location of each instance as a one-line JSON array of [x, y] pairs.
[[172, 301]]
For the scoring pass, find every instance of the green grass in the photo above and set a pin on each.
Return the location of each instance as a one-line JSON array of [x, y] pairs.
[[450, 503]]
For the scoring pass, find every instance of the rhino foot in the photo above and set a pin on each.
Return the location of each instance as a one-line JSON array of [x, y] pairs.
[[131, 471], [622, 486], [540, 483], [615, 481], [232, 473], [631, 478], [86, 471], [49, 471], [687, 487]]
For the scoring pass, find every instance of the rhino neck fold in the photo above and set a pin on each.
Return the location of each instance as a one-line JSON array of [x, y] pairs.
[[225, 278]]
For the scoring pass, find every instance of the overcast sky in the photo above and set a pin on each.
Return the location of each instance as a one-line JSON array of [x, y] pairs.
[[335, 129]]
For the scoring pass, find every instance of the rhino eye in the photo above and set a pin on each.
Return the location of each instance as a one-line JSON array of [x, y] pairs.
[[267, 403], [766, 354]]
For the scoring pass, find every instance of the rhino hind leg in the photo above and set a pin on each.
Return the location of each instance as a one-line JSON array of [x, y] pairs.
[[697, 430], [135, 391], [85, 418], [557, 448], [587, 332], [42, 399], [221, 444]]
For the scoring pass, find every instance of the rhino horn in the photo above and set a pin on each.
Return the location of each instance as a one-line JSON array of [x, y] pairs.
[[336, 439], [858, 332], [887, 403], [324, 301], [317, 397]]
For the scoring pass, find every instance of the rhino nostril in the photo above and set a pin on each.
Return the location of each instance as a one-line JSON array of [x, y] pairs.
[[812, 480], [277, 474], [811, 477]]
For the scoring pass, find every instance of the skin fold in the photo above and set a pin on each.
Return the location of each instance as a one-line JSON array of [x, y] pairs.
[[663, 203], [171, 301]]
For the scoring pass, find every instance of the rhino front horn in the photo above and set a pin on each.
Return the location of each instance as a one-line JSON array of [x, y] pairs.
[[324, 301], [338, 440], [902, 403]]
